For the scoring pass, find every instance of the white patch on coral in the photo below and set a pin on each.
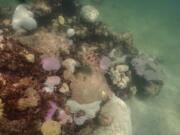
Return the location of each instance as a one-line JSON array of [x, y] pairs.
[[23, 20], [90, 109]]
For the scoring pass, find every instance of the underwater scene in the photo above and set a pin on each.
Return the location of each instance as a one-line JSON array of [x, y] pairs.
[[89, 67]]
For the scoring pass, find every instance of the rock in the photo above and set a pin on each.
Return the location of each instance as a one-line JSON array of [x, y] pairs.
[[147, 75], [89, 13], [23, 20], [88, 88], [119, 114]]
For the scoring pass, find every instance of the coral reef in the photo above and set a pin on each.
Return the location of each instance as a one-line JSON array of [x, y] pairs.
[[62, 78]]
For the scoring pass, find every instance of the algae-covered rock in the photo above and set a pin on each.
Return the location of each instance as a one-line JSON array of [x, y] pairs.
[[148, 75]]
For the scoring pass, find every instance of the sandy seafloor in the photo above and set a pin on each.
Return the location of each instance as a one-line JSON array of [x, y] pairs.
[[155, 25]]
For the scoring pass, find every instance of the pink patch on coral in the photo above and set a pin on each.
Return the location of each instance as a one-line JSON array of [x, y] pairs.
[[104, 63], [52, 80], [64, 118], [51, 111], [50, 63]]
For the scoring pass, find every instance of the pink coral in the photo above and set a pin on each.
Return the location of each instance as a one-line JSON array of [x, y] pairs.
[[51, 111], [64, 117], [50, 63], [104, 63], [52, 81]]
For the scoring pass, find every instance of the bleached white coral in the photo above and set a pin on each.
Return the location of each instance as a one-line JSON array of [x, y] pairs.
[[23, 20], [89, 13], [119, 77]]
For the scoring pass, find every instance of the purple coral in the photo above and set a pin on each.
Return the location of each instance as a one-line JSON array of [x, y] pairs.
[[105, 63], [51, 111], [50, 63]]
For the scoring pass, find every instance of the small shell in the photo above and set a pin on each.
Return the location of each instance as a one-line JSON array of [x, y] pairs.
[[61, 20], [70, 64], [64, 88], [30, 58]]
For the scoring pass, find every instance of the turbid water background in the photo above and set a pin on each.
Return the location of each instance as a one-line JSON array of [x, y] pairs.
[[155, 25]]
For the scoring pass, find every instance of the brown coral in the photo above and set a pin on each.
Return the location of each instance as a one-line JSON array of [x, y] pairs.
[[30, 100], [1, 109]]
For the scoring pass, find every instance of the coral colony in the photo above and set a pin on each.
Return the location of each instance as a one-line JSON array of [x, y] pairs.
[[69, 75]]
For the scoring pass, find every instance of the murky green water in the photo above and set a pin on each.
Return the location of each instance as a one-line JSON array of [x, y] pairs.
[[155, 25]]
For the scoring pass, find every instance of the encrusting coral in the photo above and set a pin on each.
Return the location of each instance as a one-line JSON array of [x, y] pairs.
[[119, 76], [51, 127]]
